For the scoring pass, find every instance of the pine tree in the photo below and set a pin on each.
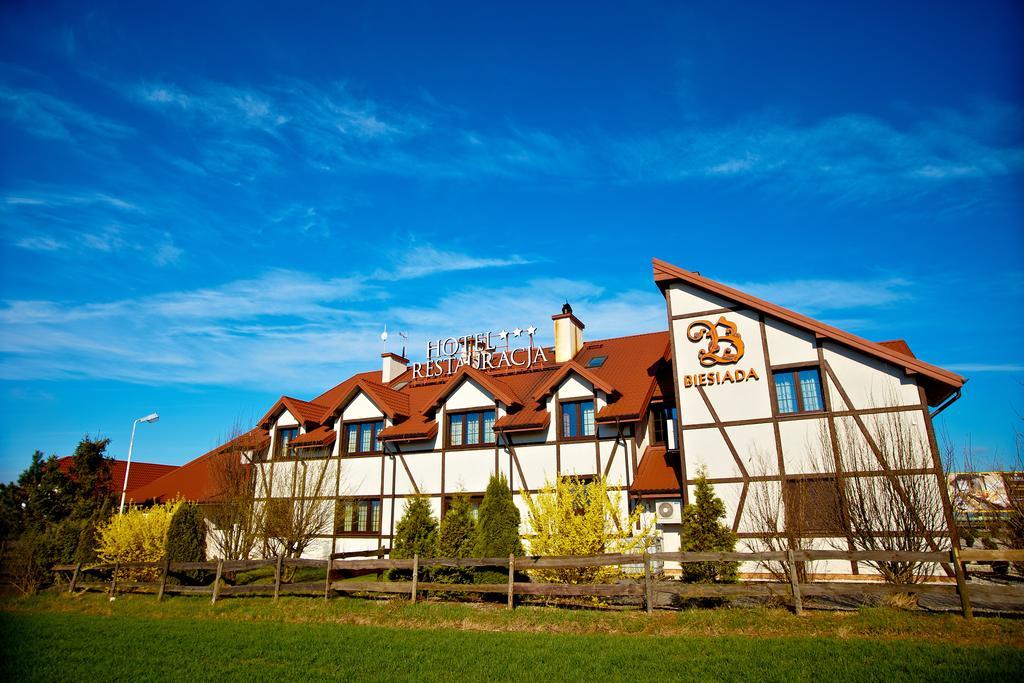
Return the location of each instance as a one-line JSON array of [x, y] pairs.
[[702, 531], [497, 529], [90, 472], [455, 539], [416, 534]]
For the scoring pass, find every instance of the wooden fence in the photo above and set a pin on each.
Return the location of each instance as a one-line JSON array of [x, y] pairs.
[[645, 587]]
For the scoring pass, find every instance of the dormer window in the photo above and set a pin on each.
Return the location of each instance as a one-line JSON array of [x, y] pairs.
[[470, 428], [283, 442], [361, 437], [577, 419]]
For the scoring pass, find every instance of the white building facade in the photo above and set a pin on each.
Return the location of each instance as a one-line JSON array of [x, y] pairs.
[[758, 398]]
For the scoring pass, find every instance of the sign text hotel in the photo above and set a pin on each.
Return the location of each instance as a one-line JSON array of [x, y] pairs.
[[446, 356]]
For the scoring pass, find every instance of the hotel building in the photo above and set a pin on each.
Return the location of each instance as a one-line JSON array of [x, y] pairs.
[[737, 387]]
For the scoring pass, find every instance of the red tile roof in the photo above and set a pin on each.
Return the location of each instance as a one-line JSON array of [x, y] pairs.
[[140, 474], [659, 472], [321, 436], [899, 346], [194, 481], [938, 384], [304, 411], [392, 403]]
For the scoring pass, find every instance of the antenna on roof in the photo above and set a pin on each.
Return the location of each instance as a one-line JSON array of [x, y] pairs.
[[405, 338], [384, 338]]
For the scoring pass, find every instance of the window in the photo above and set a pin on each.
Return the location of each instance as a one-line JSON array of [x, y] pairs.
[[660, 417], [577, 419], [798, 391], [813, 506], [471, 428], [284, 440], [357, 516], [474, 502], [596, 361], [361, 437]]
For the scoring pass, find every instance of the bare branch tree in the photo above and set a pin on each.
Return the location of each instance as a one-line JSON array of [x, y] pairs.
[[235, 518], [294, 504], [778, 523], [899, 510]]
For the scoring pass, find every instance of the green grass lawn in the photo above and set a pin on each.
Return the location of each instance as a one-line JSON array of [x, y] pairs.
[[60, 637]]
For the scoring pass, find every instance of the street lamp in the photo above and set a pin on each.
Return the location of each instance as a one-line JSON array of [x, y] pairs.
[[152, 417]]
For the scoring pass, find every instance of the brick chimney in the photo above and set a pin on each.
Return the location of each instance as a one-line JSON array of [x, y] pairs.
[[568, 334], [393, 366]]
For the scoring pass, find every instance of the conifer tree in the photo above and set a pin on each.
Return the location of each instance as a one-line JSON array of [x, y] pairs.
[[186, 537], [702, 531], [497, 529], [416, 534], [455, 539]]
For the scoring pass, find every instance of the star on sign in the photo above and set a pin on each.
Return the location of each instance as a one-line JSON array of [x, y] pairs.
[[531, 330], [516, 332], [503, 335]]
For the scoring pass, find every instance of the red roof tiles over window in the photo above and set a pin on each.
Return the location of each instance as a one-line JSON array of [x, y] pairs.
[[659, 472]]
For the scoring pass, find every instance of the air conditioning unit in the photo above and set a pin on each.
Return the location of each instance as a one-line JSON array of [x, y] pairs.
[[667, 511]]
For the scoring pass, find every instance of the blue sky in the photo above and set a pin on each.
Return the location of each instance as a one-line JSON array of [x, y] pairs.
[[204, 208]]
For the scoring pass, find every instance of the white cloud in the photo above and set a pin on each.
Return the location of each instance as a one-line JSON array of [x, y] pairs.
[[282, 331], [423, 260], [984, 367], [818, 295], [49, 116]]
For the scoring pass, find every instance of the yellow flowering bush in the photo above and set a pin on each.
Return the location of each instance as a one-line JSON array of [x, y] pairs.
[[571, 516], [139, 535]]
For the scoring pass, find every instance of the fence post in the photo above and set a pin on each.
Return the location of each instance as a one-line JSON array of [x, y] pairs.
[[961, 585], [216, 581], [415, 575], [794, 583], [74, 578], [648, 587], [511, 578], [163, 578], [327, 579], [277, 576], [113, 579]]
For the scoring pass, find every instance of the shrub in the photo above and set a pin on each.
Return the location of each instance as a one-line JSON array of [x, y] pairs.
[[138, 535], [416, 534], [572, 517], [702, 531], [497, 528], [455, 539], [186, 537]]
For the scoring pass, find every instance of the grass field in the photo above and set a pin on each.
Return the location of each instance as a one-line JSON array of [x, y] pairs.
[[60, 637]]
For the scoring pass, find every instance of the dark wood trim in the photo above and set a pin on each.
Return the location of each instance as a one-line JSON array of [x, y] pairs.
[[357, 534], [933, 444], [709, 312], [723, 432], [815, 415], [343, 437], [897, 486], [559, 402], [837, 463], [481, 445], [684, 494]]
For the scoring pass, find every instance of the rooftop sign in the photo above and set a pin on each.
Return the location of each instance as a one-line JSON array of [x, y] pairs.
[[482, 350]]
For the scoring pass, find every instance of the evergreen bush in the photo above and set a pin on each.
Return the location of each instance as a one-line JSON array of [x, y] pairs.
[[703, 531], [455, 538], [416, 534], [497, 528], [186, 538]]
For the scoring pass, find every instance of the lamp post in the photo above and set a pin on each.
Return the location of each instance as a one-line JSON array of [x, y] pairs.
[[152, 417]]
